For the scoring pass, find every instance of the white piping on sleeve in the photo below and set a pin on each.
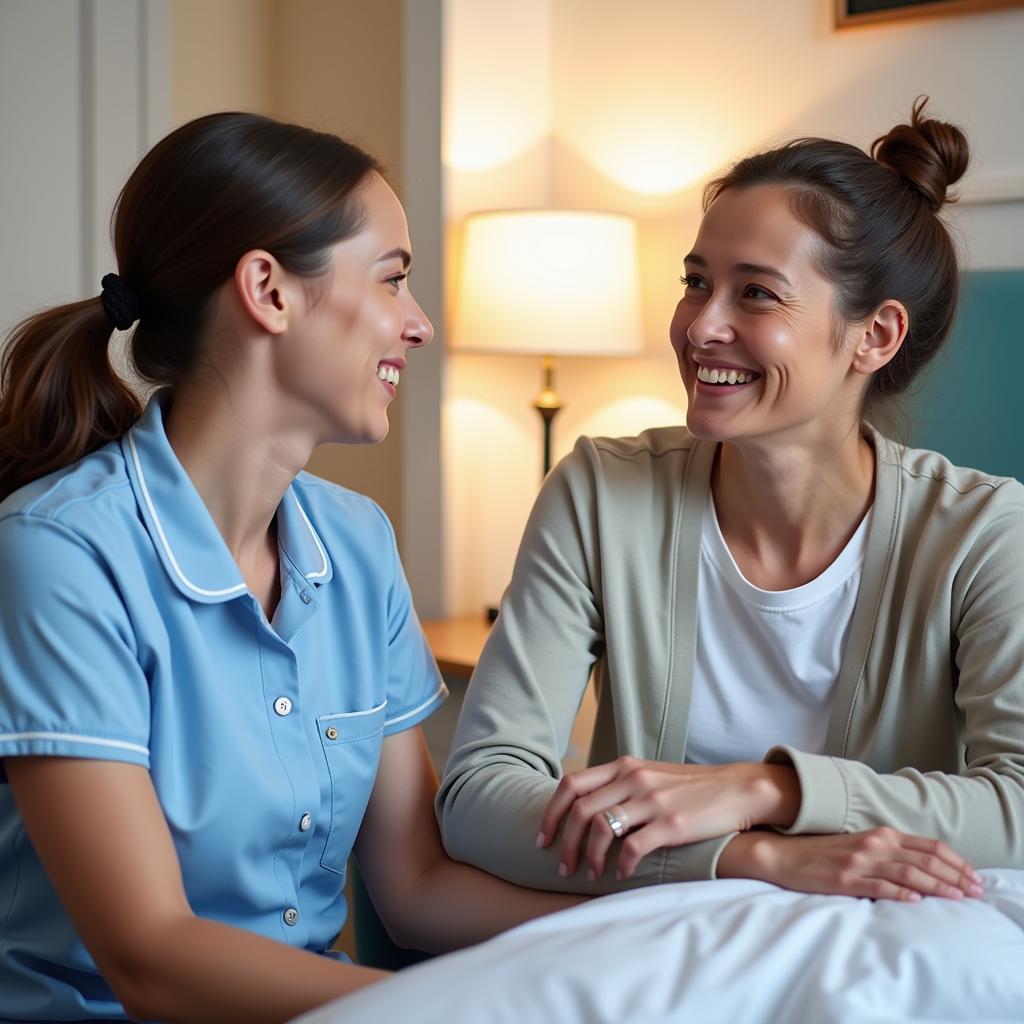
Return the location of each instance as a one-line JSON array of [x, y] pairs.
[[439, 692], [70, 737]]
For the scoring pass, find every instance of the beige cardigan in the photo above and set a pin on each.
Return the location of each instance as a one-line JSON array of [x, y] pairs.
[[927, 729]]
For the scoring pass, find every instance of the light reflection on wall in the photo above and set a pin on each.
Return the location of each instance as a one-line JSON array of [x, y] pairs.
[[492, 476], [631, 414], [497, 91]]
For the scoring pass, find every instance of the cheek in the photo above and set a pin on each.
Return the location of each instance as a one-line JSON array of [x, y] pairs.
[[384, 320], [681, 320]]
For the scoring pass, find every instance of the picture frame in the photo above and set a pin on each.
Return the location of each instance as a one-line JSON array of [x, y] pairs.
[[850, 13]]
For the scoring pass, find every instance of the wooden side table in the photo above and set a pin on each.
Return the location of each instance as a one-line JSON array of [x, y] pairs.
[[457, 643]]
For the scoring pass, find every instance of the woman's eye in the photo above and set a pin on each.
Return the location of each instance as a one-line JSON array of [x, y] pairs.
[[396, 280], [755, 291], [692, 281]]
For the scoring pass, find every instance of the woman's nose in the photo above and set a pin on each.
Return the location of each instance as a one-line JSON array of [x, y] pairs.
[[711, 324], [418, 329]]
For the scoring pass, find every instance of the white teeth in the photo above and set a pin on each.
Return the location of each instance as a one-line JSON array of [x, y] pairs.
[[724, 376], [388, 373]]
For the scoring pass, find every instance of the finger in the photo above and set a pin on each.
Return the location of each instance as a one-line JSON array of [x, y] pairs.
[[910, 876], [944, 873], [602, 836], [969, 879], [571, 787], [880, 889], [582, 816], [600, 840], [652, 836]]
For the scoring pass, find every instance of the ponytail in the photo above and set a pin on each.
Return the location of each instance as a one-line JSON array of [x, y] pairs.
[[60, 398]]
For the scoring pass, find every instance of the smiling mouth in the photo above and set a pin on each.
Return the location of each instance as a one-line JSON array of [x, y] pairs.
[[388, 374], [726, 378]]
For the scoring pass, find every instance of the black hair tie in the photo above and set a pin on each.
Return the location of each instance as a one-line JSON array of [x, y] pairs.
[[119, 301]]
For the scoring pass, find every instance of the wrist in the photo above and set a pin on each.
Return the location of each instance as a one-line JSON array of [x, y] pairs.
[[746, 856], [778, 788]]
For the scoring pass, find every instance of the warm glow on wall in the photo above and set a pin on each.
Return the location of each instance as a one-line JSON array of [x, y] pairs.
[[624, 417], [647, 148], [640, 155], [497, 98]]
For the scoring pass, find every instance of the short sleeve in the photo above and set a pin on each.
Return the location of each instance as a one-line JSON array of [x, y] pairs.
[[415, 688], [70, 682]]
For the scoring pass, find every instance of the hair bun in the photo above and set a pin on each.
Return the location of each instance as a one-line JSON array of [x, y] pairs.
[[929, 155]]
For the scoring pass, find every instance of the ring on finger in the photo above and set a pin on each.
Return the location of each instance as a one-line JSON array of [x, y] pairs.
[[617, 820]]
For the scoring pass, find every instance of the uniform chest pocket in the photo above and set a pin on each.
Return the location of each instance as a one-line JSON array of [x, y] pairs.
[[351, 743]]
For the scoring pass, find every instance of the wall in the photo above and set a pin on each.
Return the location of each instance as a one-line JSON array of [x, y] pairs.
[[644, 102], [223, 56]]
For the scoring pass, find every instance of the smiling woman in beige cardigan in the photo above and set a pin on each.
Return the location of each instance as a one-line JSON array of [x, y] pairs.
[[807, 640]]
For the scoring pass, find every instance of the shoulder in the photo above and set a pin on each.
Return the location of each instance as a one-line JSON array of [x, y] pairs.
[[89, 480], [628, 485], [947, 515], [339, 513], [90, 500], [661, 451], [655, 443], [927, 477]]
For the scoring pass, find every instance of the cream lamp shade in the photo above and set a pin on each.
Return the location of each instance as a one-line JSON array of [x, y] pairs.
[[548, 282]]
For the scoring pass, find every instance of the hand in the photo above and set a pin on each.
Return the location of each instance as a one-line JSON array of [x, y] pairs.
[[667, 805], [882, 864]]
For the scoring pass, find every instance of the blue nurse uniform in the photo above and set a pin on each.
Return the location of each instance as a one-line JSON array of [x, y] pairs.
[[129, 635]]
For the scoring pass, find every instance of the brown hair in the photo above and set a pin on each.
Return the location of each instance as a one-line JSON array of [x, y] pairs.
[[203, 196], [876, 218]]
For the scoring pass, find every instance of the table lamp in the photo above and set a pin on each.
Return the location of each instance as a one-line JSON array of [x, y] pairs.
[[552, 283]]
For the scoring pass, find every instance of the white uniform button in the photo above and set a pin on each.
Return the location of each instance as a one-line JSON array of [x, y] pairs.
[[304, 823], [332, 733], [291, 916], [283, 706]]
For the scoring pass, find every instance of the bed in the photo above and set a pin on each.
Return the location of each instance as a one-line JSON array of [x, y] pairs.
[[734, 951]]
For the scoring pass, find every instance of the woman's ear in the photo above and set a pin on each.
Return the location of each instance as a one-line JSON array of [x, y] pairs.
[[260, 282], [881, 337]]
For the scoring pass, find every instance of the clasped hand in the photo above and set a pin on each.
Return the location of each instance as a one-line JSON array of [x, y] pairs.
[[662, 804]]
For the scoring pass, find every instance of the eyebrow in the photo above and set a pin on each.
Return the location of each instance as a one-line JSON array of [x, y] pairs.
[[745, 268], [403, 254]]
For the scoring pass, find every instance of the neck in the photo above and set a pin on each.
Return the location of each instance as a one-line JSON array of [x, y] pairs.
[[787, 510], [240, 462]]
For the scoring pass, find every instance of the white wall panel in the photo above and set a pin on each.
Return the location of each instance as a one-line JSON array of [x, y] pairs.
[[42, 255], [86, 89]]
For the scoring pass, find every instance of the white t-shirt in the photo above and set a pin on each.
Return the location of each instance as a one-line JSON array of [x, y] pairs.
[[767, 660]]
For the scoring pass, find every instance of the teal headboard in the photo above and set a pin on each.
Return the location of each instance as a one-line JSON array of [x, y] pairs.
[[970, 406]]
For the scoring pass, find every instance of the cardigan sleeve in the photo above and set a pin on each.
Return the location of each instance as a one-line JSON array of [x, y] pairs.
[[523, 698], [979, 809]]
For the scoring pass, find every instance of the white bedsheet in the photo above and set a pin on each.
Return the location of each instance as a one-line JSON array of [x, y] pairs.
[[738, 952]]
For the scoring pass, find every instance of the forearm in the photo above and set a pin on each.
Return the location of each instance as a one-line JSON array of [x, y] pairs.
[[454, 905], [491, 817], [196, 970], [980, 813]]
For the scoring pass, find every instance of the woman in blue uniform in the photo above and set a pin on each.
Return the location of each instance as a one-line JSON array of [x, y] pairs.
[[212, 673]]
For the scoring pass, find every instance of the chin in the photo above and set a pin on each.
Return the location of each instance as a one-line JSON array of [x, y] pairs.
[[706, 429], [370, 435]]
